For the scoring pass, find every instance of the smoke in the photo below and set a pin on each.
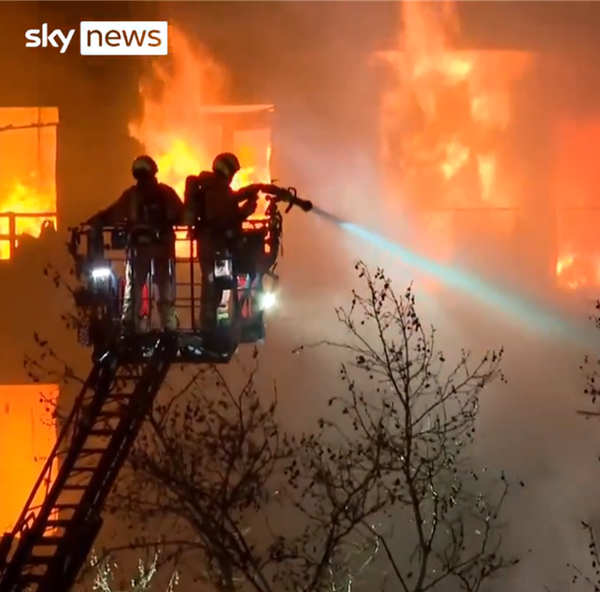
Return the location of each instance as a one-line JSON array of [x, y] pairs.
[[527, 314], [313, 61]]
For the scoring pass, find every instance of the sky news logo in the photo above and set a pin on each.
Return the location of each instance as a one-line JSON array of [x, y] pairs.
[[105, 38]]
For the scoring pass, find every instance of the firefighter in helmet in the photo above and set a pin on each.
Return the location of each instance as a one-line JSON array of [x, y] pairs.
[[216, 212], [151, 210]]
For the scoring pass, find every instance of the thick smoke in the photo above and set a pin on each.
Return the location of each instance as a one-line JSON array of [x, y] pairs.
[[312, 63]]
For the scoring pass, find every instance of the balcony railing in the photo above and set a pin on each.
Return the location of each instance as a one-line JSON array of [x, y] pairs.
[[12, 226]]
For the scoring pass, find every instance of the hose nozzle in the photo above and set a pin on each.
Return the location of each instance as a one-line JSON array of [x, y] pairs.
[[304, 204], [292, 199]]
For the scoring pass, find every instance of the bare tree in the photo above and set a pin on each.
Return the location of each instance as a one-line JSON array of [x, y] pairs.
[[386, 482], [199, 469], [107, 580], [589, 577], [214, 469], [407, 426]]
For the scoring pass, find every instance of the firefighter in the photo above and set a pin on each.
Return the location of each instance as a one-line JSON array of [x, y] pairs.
[[152, 209], [216, 213]]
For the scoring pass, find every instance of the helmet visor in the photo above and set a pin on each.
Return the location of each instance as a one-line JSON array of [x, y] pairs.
[[143, 166]]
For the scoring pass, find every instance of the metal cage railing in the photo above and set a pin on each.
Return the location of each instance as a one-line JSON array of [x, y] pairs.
[[240, 268]]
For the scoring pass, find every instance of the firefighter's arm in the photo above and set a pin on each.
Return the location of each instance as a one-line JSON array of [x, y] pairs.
[[114, 214], [284, 195], [247, 199], [251, 191]]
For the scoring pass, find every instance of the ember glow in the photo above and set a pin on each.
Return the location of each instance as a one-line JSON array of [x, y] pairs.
[[578, 271], [177, 127], [442, 128], [575, 182], [27, 172]]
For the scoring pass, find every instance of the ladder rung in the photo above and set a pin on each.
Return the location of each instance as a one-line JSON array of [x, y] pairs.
[[58, 523], [49, 541], [29, 578], [109, 414], [101, 416], [39, 560], [102, 432]]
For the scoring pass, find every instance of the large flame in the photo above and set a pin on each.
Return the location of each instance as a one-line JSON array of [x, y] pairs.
[[443, 124], [174, 127], [27, 172]]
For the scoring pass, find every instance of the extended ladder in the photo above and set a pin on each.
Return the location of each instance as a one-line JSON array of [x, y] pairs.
[[54, 540]]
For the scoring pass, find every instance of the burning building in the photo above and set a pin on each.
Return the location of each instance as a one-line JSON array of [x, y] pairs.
[[483, 164], [487, 173], [185, 121]]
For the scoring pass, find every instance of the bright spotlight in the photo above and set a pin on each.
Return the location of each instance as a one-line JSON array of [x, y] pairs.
[[268, 300], [101, 273]]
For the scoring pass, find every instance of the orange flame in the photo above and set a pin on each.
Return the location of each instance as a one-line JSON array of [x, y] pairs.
[[443, 123], [455, 104], [172, 127], [175, 127]]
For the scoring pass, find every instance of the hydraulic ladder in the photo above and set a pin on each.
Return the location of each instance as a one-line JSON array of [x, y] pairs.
[[51, 543]]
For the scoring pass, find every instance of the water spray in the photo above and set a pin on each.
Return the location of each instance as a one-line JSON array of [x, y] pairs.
[[527, 312]]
